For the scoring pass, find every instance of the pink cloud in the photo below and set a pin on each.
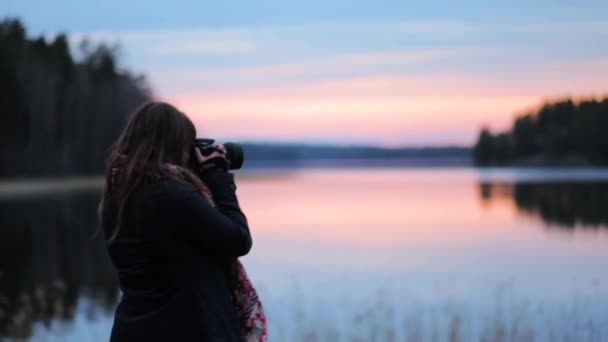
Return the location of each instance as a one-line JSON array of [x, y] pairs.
[[388, 108]]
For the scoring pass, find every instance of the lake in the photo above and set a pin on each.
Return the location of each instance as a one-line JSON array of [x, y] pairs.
[[350, 254]]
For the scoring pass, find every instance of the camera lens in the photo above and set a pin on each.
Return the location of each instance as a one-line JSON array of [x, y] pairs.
[[234, 153]]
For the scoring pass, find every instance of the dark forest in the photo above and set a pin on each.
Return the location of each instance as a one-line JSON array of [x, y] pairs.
[[559, 133], [60, 114]]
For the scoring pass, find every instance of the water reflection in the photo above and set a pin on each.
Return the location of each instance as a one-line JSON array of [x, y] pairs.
[[347, 254], [566, 205], [48, 262]]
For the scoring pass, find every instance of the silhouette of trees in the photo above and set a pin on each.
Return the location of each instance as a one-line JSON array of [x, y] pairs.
[[492, 148], [562, 132], [60, 115]]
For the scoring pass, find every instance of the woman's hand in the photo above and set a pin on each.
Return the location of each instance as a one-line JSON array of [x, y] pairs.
[[201, 159], [211, 164], [215, 161]]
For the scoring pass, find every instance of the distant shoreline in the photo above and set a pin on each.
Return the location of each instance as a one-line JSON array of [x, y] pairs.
[[36, 185], [18, 187], [32, 186]]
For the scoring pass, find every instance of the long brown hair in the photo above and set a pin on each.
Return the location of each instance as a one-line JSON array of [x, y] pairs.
[[156, 133]]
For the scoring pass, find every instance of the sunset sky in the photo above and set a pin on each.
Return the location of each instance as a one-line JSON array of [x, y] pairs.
[[389, 73]]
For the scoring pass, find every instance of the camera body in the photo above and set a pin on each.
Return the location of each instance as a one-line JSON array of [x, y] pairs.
[[234, 152]]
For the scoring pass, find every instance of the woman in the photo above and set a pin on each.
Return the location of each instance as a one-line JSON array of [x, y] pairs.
[[174, 231]]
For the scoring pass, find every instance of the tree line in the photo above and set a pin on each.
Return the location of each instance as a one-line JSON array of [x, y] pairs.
[[60, 113], [562, 132]]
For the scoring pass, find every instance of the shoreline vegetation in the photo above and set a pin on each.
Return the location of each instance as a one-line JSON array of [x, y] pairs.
[[560, 133]]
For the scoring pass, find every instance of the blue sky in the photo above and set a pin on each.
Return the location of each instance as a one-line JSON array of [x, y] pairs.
[[381, 72], [138, 14]]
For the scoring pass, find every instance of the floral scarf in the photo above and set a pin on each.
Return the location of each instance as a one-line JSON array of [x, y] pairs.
[[248, 305]]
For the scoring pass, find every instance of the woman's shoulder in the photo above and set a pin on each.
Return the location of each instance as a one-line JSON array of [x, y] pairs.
[[161, 190], [170, 188], [164, 196]]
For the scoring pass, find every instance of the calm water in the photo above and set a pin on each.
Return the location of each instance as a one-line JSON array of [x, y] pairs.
[[353, 255]]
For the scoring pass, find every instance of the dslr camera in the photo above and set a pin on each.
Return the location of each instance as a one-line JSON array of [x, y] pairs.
[[233, 157]]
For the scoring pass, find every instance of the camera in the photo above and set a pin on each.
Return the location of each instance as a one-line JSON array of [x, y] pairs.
[[234, 153]]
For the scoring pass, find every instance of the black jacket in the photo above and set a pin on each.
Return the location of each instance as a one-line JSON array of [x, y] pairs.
[[172, 256]]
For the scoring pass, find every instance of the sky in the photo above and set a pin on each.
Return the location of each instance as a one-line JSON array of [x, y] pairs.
[[387, 73]]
